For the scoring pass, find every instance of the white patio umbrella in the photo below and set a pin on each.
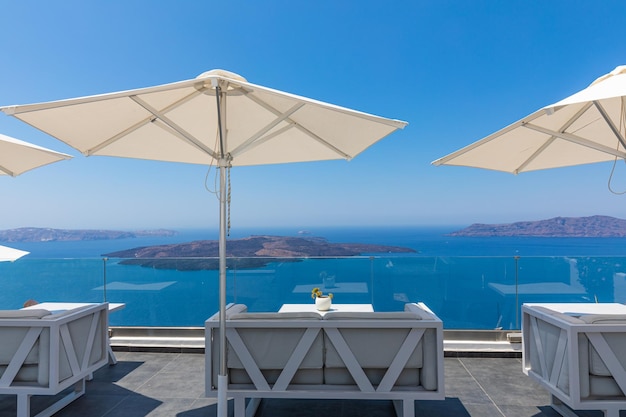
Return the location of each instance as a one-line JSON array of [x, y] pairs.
[[587, 127], [17, 156], [218, 118], [8, 254]]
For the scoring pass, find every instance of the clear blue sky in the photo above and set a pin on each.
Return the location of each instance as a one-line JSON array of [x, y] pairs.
[[455, 70]]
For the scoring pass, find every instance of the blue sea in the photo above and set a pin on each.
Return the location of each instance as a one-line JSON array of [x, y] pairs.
[[427, 241], [471, 283]]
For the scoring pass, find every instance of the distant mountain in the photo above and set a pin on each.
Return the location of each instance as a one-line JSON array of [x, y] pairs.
[[256, 251], [259, 246], [593, 226], [37, 234]]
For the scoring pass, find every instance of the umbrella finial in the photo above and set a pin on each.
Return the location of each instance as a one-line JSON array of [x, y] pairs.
[[222, 73]]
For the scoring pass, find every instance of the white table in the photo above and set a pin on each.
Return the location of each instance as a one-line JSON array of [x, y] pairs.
[[55, 307], [58, 307], [298, 308], [577, 309]]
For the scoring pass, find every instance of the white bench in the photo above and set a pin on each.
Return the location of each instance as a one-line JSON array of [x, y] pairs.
[[361, 355], [578, 356], [44, 354]]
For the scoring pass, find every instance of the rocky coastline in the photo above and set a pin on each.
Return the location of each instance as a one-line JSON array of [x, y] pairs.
[[44, 234], [592, 226], [250, 252]]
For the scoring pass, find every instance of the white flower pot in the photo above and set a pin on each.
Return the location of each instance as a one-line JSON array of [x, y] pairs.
[[323, 303]]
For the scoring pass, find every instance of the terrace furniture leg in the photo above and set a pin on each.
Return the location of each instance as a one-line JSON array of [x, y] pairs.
[[253, 405], [23, 402], [565, 411], [404, 408], [112, 358], [561, 408], [23, 405], [240, 406], [79, 390]]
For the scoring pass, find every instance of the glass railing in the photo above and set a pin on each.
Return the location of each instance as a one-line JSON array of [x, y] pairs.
[[475, 293]]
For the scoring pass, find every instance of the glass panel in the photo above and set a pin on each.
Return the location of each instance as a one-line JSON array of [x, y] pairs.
[[465, 292]]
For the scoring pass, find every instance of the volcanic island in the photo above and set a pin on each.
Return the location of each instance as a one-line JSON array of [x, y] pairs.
[[250, 252]]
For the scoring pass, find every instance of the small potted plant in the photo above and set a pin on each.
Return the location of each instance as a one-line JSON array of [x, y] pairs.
[[322, 302]]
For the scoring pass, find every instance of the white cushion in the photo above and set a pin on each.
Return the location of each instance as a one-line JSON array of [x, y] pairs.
[[604, 318], [368, 315], [24, 314], [277, 316]]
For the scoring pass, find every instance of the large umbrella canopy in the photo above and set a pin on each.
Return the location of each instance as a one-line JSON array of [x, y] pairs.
[[587, 127], [8, 254], [17, 156], [179, 122], [218, 118]]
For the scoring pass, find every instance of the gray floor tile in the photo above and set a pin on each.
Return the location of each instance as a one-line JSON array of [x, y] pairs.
[[145, 384]]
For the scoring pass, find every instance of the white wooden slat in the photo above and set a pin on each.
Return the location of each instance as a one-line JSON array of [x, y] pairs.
[[20, 356], [559, 358], [349, 360], [247, 360], [72, 356], [91, 339], [608, 357], [400, 360], [534, 326], [296, 358]]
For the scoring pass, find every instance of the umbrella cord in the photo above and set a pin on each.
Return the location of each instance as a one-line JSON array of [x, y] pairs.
[[206, 181], [215, 188], [216, 193], [621, 129]]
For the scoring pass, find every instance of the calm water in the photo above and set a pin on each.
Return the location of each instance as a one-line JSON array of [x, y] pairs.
[[428, 241], [468, 282]]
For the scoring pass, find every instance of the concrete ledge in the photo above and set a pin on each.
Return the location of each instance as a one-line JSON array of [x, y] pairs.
[[158, 338]]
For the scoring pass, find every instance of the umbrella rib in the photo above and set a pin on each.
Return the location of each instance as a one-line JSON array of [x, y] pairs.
[[450, 157], [181, 133], [534, 155], [608, 121], [323, 142], [299, 126], [577, 139], [113, 139], [254, 138], [263, 139], [552, 138], [143, 122]]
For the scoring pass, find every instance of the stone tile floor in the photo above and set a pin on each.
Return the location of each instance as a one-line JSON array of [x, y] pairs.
[[172, 384]]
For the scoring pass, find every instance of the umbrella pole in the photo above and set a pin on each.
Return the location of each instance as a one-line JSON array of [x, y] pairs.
[[222, 378]]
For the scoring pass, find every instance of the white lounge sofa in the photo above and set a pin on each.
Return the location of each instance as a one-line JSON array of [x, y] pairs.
[[44, 354], [367, 355], [579, 358]]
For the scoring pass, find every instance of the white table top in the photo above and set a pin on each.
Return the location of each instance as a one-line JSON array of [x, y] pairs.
[[297, 308], [583, 308], [53, 306]]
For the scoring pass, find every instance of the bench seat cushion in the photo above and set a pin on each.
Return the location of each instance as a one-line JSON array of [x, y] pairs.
[[24, 314], [601, 381], [11, 338], [374, 349], [271, 348]]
